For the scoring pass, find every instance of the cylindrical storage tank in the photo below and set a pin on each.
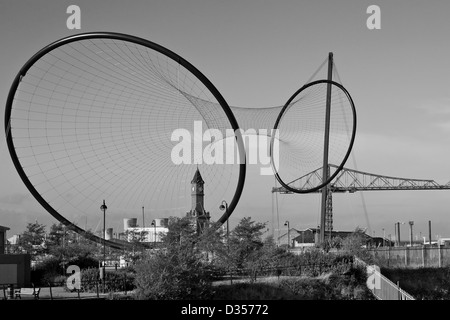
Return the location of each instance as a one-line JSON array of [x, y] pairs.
[[109, 234], [162, 222], [158, 222], [129, 223]]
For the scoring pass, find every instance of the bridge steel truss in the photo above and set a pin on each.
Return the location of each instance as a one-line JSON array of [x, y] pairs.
[[349, 180]]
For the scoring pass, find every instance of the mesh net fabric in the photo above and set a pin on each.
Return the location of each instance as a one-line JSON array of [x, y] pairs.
[[93, 119], [301, 132]]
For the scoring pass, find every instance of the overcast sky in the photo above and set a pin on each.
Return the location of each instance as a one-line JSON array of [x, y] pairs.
[[258, 53]]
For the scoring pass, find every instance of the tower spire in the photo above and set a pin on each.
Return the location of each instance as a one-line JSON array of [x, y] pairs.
[[197, 179], [198, 211]]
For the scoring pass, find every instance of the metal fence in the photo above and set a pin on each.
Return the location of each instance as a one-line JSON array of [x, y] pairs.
[[381, 287], [412, 257]]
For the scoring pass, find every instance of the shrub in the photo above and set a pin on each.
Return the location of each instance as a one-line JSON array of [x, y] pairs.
[[45, 271], [84, 262], [252, 291], [89, 279], [51, 268], [422, 283], [119, 281], [59, 280], [350, 285], [308, 289], [165, 276]]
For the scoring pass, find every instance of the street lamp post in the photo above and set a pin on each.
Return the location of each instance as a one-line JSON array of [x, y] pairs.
[[103, 207], [224, 206], [63, 246], [154, 233], [289, 240]]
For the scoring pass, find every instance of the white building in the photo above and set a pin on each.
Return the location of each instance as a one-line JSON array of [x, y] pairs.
[[14, 239], [153, 233]]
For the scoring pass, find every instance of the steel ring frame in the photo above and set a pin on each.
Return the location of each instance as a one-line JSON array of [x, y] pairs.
[[344, 160], [145, 43]]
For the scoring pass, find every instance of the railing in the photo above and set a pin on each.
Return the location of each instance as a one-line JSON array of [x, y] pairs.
[[412, 257], [305, 269], [381, 287]]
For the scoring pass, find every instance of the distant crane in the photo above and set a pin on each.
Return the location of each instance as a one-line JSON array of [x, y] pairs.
[[349, 180]]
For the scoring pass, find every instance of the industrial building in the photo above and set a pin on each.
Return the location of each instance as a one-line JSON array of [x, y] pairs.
[[154, 233]]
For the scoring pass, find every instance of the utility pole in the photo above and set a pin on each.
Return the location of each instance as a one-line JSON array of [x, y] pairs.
[[325, 172], [397, 227], [429, 231], [395, 235], [411, 223]]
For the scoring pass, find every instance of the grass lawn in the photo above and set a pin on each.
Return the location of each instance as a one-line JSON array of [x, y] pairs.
[[422, 283]]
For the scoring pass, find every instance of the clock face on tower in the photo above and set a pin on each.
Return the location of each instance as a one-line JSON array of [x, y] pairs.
[[200, 188]]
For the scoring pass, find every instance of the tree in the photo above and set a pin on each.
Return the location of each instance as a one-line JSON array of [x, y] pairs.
[[74, 250], [32, 240], [213, 243], [57, 235], [355, 244], [264, 257], [245, 241], [136, 239], [177, 270]]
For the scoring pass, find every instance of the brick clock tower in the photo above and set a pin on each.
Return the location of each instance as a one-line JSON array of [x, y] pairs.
[[198, 211]]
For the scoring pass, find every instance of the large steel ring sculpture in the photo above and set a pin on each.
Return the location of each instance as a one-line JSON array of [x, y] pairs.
[[97, 116]]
